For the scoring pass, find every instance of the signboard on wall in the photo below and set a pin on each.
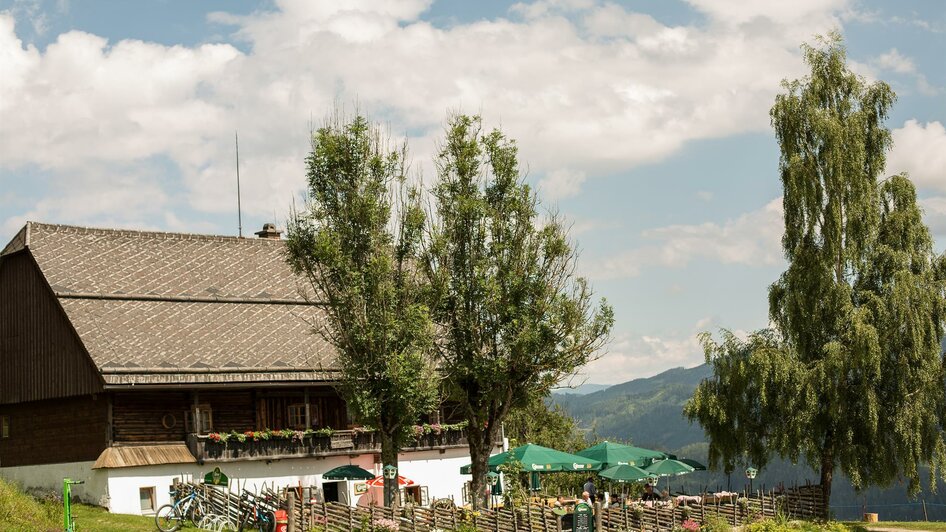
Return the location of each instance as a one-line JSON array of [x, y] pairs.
[[216, 478], [360, 488]]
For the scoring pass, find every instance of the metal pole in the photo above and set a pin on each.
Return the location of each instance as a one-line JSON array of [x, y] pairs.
[[236, 138], [66, 504]]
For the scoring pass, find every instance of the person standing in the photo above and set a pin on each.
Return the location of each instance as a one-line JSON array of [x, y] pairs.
[[590, 488]]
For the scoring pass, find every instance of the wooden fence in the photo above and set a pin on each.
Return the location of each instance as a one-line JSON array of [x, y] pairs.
[[306, 514]]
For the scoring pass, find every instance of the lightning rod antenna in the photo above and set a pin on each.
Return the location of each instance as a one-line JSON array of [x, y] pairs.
[[236, 138]]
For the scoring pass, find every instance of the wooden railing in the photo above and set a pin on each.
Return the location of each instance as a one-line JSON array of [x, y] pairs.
[[306, 513], [341, 442]]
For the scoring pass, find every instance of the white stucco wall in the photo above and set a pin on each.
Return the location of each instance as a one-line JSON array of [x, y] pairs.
[[49, 477], [118, 489], [439, 472]]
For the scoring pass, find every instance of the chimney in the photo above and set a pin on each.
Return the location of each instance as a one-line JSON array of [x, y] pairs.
[[269, 231]]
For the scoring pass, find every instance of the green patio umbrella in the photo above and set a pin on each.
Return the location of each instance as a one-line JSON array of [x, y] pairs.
[[539, 459], [692, 463], [611, 454], [348, 472], [624, 473], [668, 468]]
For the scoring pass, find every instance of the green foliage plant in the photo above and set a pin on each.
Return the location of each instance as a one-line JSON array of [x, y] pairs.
[[516, 320], [356, 242], [850, 374]]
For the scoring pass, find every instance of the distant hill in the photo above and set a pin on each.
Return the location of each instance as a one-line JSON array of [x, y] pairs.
[[649, 413], [583, 389]]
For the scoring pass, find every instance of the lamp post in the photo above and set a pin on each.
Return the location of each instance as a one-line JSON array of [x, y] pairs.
[[751, 472], [492, 479], [390, 484]]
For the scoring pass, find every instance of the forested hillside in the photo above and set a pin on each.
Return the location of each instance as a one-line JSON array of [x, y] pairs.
[[648, 412]]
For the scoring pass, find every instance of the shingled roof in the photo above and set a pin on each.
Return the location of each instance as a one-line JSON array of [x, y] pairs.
[[173, 308]]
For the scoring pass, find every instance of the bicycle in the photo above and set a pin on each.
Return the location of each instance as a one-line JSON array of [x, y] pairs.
[[171, 517], [256, 516]]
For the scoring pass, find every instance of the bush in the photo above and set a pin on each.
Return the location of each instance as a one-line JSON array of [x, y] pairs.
[[715, 524]]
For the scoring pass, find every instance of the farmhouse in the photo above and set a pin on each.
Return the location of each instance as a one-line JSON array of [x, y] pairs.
[[128, 358]]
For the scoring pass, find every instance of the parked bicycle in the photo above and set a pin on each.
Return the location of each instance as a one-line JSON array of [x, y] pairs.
[[171, 517], [257, 515]]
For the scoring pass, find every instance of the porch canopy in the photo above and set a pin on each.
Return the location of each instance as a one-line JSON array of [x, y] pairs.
[[538, 459]]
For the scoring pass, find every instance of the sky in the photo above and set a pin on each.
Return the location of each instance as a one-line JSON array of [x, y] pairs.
[[644, 123]]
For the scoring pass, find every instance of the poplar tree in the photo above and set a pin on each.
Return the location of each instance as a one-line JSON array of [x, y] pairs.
[[515, 319], [357, 243], [850, 376]]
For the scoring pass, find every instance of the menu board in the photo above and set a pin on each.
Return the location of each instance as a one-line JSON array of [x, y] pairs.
[[584, 518]]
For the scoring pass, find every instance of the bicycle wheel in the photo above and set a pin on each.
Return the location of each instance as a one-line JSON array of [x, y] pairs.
[[166, 519], [196, 513], [244, 521]]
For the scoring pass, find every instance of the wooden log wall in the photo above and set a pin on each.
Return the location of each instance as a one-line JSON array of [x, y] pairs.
[[230, 410], [55, 431], [149, 416]]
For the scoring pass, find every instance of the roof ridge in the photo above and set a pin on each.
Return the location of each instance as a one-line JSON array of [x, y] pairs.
[[187, 299], [167, 235]]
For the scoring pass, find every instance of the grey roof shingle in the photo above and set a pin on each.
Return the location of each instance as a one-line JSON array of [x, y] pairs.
[[173, 308]]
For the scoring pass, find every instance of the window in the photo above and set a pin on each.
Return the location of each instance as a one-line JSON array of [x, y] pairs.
[[203, 422], [146, 496], [297, 416], [4, 426]]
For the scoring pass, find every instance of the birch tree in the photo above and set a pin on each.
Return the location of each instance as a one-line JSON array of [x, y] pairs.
[[851, 374]]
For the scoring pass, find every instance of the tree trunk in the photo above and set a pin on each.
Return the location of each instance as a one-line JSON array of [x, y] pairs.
[[481, 443], [389, 457], [827, 475]]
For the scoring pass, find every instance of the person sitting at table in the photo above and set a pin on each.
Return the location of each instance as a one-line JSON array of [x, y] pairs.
[[649, 494], [560, 501], [586, 497]]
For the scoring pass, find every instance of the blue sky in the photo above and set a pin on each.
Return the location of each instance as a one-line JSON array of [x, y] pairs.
[[645, 123]]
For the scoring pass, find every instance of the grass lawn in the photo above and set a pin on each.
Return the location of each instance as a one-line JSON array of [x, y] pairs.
[[96, 519], [21, 513]]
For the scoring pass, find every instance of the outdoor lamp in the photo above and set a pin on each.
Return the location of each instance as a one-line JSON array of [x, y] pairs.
[[750, 474], [492, 478], [653, 480], [390, 472]]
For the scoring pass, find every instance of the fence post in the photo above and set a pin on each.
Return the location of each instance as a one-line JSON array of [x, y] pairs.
[[291, 499], [597, 515]]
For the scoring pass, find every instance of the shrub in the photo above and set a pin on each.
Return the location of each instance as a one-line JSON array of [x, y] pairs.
[[715, 524]]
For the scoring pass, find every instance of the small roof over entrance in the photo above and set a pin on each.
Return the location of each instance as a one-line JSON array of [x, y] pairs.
[[141, 455]]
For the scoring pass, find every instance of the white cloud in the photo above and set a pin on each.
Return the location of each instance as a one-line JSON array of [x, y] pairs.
[[752, 239], [632, 356], [579, 94], [561, 183], [894, 61], [920, 150]]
